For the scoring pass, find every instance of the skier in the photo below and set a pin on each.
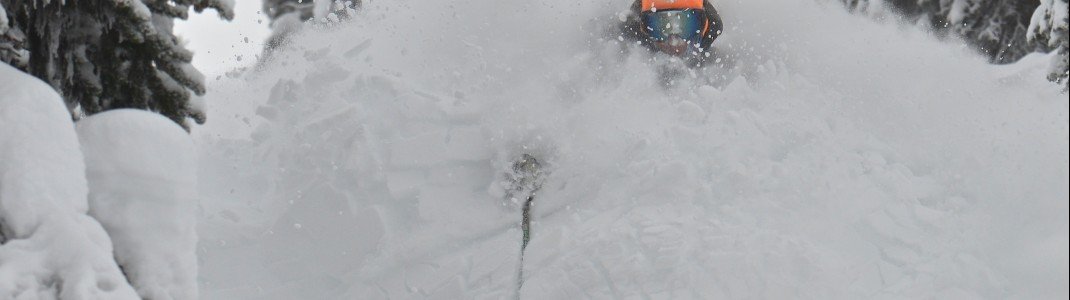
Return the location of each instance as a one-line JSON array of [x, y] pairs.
[[681, 28]]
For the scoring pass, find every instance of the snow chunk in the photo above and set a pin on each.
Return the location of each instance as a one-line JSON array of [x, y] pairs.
[[321, 9], [142, 188], [3, 20], [51, 248]]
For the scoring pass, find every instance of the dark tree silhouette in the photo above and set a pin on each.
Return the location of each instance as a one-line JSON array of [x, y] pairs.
[[106, 54]]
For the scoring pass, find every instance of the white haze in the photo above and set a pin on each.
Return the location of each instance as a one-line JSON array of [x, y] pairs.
[[219, 45], [825, 156]]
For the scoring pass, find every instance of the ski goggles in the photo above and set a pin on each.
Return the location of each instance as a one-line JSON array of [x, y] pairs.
[[687, 24]]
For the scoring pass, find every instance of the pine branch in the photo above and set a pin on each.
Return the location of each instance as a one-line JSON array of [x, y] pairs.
[[184, 74], [224, 7], [179, 10]]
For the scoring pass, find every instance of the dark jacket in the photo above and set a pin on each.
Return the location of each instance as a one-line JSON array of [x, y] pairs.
[[631, 28]]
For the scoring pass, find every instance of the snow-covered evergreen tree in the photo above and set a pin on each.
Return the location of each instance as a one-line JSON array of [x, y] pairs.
[[106, 54], [1049, 26], [995, 27]]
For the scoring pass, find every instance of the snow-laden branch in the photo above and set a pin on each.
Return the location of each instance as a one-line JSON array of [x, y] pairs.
[[1049, 25]]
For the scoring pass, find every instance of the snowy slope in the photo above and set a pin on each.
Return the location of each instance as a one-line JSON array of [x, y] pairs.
[[822, 156]]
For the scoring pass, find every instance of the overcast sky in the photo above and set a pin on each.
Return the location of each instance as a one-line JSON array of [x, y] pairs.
[[220, 46]]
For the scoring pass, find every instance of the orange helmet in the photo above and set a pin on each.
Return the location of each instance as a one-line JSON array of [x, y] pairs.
[[651, 5]]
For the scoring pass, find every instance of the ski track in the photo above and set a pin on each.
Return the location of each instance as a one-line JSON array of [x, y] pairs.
[[824, 156]]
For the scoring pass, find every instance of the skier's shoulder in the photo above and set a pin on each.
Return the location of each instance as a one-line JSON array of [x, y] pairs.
[[629, 24], [712, 13]]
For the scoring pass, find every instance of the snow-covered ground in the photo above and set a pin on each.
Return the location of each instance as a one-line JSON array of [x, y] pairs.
[[104, 211], [141, 167], [50, 247], [822, 155]]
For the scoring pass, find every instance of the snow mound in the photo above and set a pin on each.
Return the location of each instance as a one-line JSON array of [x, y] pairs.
[[142, 189], [848, 160], [50, 247]]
